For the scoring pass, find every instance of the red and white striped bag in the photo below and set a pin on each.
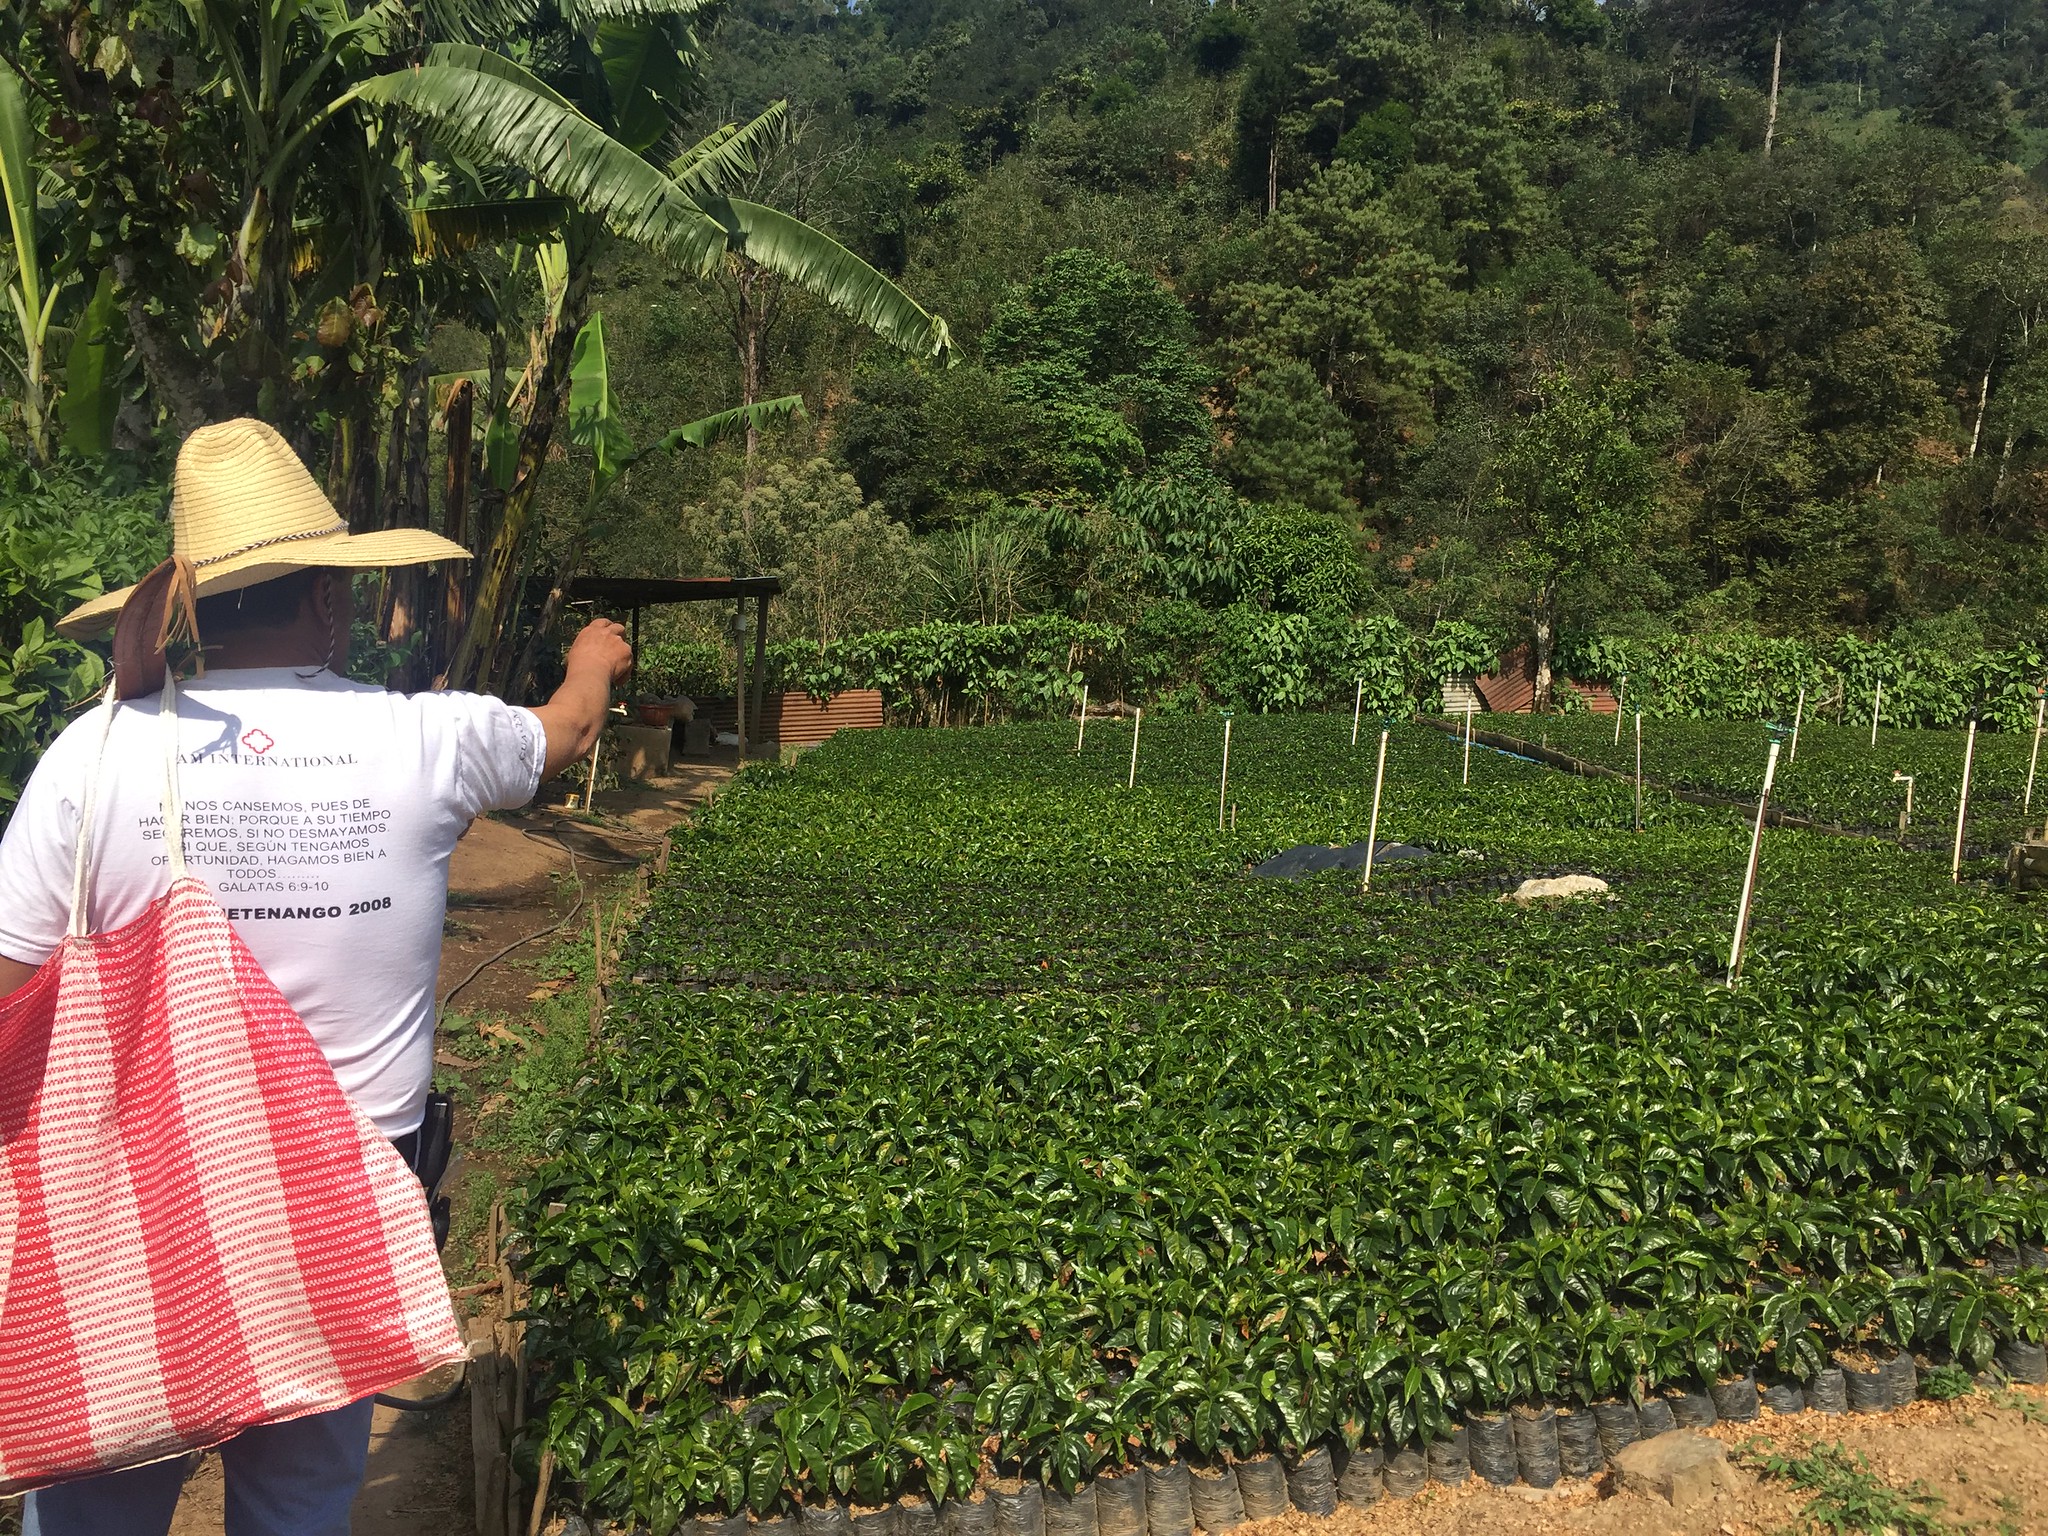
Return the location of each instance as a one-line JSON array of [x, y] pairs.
[[199, 1231]]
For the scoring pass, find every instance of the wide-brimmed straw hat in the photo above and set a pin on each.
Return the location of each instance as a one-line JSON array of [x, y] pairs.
[[244, 510]]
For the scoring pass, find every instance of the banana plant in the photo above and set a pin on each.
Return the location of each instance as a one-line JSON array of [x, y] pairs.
[[32, 292]]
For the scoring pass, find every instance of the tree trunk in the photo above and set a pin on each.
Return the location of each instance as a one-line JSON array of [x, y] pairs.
[[176, 383], [495, 590], [1777, 64], [359, 479], [750, 361], [1273, 172], [410, 615], [1983, 403], [1546, 642], [2004, 459], [448, 602]]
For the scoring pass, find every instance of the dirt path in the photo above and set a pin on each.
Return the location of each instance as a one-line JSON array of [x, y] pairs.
[[513, 876]]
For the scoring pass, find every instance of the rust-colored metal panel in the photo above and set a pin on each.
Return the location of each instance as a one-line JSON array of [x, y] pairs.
[[797, 719], [800, 719], [1511, 690]]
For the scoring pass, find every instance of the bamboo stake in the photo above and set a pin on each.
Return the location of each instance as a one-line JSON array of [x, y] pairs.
[[1876, 709], [596, 969], [1372, 832], [1756, 843], [1639, 770], [2040, 711], [1906, 811], [1955, 864], [590, 789], [1468, 745], [1137, 725], [1620, 703], [1357, 703], [1224, 783], [1081, 740], [1798, 715]]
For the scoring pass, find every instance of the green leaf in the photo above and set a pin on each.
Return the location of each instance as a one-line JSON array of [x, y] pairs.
[[593, 410], [719, 426], [92, 396]]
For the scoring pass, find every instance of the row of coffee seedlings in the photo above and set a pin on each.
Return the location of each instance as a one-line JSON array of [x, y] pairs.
[[1534, 1445]]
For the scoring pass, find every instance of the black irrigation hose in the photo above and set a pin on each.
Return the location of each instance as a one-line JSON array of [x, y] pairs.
[[581, 897], [422, 1404]]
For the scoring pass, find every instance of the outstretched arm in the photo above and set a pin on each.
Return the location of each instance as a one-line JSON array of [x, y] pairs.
[[598, 657]]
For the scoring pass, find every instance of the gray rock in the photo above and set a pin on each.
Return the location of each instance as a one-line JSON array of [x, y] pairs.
[[1684, 1468]]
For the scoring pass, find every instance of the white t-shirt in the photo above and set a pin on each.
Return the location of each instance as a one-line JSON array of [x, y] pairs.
[[321, 813]]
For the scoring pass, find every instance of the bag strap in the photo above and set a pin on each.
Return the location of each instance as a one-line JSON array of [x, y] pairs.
[[173, 804], [81, 857]]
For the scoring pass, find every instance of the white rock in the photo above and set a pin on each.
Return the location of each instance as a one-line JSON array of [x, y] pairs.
[[1564, 887]]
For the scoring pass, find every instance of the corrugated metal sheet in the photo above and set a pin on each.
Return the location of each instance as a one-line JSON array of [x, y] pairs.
[[797, 719], [1512, 689], [800, 719]]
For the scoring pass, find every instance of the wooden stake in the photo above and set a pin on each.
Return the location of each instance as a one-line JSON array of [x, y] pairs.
[[1906, 812], [540, 1494], [1081, 740], [1372, 832], [1224, 783], [590, 789], [1876, 709], [1756, 843], [1620, 701], [1798, 715], [2040, 711], [1468, 745], [1357, 703], [1955, 864], [1137, 725]]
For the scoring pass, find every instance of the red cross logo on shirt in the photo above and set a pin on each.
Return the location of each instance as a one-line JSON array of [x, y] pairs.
[[257, 740]]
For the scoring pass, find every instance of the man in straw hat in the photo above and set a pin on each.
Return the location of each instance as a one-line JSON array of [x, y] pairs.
[[322, 812]]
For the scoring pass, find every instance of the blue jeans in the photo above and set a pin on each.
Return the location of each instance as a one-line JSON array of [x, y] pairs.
[[292, 1479]]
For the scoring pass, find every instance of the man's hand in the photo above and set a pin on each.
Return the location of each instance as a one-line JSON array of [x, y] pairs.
[[598, 657]]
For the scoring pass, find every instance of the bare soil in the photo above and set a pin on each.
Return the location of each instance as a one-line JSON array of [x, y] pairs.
[[1985, 1457]]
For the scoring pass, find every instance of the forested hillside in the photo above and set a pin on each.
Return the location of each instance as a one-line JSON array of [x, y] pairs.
[[1487, 321], [1340, 254]]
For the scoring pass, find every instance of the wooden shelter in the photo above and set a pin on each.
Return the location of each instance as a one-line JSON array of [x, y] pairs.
[[633, 593]]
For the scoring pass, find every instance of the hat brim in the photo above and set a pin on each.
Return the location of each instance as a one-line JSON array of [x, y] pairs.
[[348, 551]]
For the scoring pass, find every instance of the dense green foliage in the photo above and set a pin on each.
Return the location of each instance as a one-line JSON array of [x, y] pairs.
[[1838, 778], [63, 539], [1179, 655], [1380, 240], [1551, 320], [959, 1092]]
